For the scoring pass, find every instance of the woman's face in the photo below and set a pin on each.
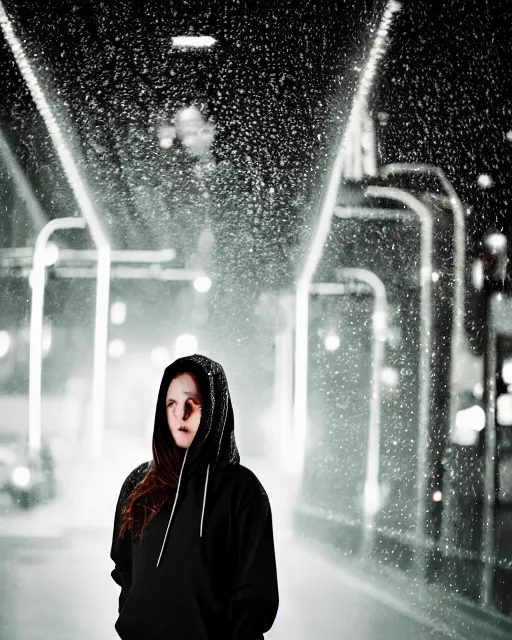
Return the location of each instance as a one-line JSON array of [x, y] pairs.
[[183, 406]]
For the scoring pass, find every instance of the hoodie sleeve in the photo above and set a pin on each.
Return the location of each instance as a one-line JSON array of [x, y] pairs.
[[121, 549], [255, 600]]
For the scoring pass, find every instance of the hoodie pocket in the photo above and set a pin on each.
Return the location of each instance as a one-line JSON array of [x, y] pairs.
[[162, 618]]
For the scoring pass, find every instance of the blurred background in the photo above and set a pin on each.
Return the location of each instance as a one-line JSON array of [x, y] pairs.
[[314, 194]]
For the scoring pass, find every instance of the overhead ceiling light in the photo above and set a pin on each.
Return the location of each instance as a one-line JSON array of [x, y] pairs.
[[196, 42]]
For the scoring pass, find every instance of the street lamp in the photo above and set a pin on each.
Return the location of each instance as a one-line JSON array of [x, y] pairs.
[[37, 283]]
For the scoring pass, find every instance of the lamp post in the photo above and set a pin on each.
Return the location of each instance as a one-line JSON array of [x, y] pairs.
[[459, 259], [372, 490], [497, 323], [37, 283]]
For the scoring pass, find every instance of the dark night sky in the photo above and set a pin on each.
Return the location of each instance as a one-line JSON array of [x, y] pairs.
[[276, 79], [448, 88]]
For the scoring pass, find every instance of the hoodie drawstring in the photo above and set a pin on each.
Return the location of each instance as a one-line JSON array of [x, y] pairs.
[[173, 508], [204, 501]]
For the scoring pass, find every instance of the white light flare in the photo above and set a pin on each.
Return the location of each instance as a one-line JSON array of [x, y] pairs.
[[116, 348], [506, 371], [504, 410], [166, 136], [47, 339], [193, 42], [472, 418], [51, 254], [202, 284], [118, 313], [485, 181], [390, 377], [372, 498], [332, 342], [20, 477]]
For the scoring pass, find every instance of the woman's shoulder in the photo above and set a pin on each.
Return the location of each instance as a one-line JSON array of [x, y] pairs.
[[133, 478], [247, 484]]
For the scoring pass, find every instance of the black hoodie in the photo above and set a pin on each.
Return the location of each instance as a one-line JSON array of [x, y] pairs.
[[205, 566]]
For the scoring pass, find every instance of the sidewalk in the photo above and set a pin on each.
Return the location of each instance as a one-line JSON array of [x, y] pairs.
[[429, 604]]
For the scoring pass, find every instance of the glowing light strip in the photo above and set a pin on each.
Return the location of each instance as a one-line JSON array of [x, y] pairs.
[[196, 42], [101, 325], [89, 214], [33, 206], [358, 106], [302, 293], [65, 157]]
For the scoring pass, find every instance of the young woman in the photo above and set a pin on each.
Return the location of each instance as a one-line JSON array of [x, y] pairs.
[[193, 542]]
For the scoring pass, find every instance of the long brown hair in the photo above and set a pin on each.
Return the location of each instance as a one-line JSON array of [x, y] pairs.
[[148, 497]]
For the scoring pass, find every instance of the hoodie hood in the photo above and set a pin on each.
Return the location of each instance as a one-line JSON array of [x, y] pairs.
[[214, 446]]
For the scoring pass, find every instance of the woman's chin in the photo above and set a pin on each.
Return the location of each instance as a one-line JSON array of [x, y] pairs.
[[183, 440]]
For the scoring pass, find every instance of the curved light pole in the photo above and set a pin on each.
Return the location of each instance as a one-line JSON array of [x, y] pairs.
[[459, 259], [37, 283], [34, 208], [488, 545], [379, 333], [425, 217]]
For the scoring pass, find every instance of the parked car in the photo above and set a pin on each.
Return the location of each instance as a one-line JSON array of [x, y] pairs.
[[29, 479]]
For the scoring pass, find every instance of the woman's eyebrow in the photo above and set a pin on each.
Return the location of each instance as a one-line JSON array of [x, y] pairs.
[[190, 394]]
